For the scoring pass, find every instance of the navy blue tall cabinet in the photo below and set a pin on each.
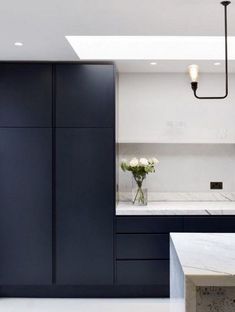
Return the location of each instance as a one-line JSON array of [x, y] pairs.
[[84, 174], [25, 174], [57, 176]]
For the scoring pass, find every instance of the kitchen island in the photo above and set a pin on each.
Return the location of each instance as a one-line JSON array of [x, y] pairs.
[[202, 272]]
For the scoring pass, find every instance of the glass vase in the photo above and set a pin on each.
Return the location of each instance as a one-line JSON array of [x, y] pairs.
[[139, 191]]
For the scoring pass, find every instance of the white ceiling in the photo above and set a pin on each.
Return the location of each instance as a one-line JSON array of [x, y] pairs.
[[172, 66], [42, 26]]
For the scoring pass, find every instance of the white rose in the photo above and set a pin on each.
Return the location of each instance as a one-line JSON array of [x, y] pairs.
[[134, 162], [155, 160], [144, 161]]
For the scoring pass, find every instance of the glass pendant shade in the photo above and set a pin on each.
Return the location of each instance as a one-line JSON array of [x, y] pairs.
[[193, 72]]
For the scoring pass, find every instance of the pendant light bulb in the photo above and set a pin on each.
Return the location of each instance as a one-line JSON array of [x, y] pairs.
[[193, 72]]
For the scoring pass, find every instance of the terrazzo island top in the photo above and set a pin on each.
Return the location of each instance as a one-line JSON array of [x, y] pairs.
[[205, 208]]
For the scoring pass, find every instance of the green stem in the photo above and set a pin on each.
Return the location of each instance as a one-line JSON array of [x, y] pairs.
[[136, 195], [139, 183], [142, 196]]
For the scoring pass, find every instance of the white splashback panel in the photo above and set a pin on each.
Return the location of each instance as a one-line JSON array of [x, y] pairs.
[[183, 168]]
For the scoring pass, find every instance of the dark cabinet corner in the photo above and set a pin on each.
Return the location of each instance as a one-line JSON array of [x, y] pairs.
[[85, 95]]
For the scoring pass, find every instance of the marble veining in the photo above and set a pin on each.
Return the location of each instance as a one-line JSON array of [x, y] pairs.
[[205, 253]]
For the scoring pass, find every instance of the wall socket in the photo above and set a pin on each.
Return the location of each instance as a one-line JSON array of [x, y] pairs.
[[216, 185]]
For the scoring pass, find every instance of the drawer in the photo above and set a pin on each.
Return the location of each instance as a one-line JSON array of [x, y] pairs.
[[142, 246], [143, 224], [143, 272], [209, 224]]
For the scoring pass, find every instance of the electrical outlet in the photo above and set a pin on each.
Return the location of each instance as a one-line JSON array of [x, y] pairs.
[[216, 185]]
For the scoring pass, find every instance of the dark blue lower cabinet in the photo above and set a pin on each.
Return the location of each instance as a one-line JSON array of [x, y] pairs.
[[143, 272], [142, 246], [25, 208], [142, 253], [149, 224], [207, 224], [84, 206]]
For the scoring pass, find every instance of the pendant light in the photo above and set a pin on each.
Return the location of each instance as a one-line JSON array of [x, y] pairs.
[[194, 69]]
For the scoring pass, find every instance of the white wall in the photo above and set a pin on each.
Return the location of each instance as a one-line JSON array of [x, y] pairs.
[[162, 108]]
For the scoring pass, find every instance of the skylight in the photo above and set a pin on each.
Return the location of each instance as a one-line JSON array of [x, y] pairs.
[[151, 47]]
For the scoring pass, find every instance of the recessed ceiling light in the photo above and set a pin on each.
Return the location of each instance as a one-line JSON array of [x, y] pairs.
[[18, 44], [151, 47], [217, 63], [153, 63]]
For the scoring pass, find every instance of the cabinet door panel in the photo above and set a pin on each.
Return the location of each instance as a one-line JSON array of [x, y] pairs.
[[25, 210], [25, 95], [85, 95], [85, 206]]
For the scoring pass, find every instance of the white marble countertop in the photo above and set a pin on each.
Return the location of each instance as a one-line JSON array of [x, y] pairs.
[[202, 272], [177, 208], [205, 254]]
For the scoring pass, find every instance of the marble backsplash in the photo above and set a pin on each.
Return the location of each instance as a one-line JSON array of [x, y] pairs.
[[184, 172]]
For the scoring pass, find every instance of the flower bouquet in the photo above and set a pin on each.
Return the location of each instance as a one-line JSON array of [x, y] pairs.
[[139, 169]]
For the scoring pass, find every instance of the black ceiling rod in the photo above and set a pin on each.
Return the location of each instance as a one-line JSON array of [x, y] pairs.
[[194, 84]]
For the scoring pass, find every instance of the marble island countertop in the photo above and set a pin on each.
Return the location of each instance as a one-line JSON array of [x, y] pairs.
[[210, 254], [202, 272], [205, 208]]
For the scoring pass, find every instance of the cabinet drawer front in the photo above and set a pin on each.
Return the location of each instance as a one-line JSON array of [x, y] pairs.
[[209, 224], [149, 224], [145, 272], [143, 246]]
